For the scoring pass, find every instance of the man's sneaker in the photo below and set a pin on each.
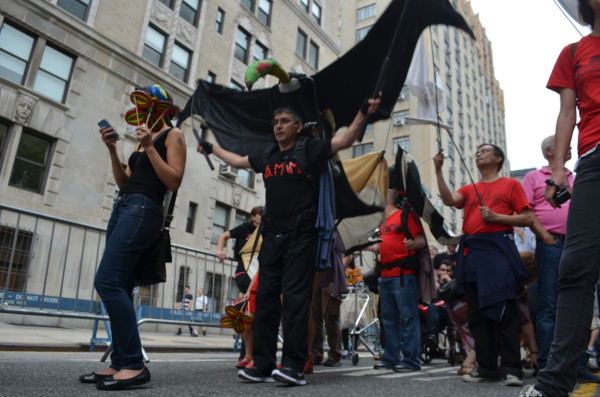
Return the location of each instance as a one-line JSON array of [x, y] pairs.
[[512, 380], [474, 377], [584, 375], [254, 375], [178, 332], [530, 391], [195, 333], [332, 363], [289, 376], [402, 368]]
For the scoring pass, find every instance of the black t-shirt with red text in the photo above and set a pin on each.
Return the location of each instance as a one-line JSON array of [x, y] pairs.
[[289, 191]]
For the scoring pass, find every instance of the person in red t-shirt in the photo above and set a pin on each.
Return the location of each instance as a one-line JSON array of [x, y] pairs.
[[576, 78], [489, 267], [402, 235]]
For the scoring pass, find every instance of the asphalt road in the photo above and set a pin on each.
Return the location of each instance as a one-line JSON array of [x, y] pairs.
[[25, 374]]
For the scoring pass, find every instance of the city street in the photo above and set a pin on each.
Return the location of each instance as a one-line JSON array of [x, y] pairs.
[[25, 374]]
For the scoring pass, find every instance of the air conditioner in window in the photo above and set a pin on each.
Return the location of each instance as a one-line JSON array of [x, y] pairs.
[[400, 122], [227, 170]]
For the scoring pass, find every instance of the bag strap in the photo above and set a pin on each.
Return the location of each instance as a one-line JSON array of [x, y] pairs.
[[573, 49], [170, 206]]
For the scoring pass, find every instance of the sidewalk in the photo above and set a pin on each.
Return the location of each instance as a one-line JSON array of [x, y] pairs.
[[14, 337]]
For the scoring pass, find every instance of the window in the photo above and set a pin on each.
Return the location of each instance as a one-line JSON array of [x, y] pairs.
[[242, 40], [18, 260], [246, 178], [189, 10], [180, 62], [359, 150], [54, 73], [260, 52], [184, 279], [249, 4], [240, 217], [365, 12], [232, 291], [304, 5], [212, 77], [313, 55], [214, 291], [403, 142], [168, 3], [264, 11], [236, 86], [79, 8], [31, 162], [219, 222], [316, 12], [399, 118], [219, 21], [191, 217], [301, 40], [15, 51], [154, 46], [18, 50], [362, 33]]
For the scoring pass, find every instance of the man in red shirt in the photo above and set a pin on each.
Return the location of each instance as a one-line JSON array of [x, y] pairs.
[[402, 235], [489, 267]]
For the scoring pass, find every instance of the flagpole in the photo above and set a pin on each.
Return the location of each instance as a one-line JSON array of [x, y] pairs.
[[383, 71]]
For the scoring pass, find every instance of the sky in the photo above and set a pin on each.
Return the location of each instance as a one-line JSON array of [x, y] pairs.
[[526, 37]]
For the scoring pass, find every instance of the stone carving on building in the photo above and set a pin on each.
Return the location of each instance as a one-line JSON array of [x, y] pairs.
[[236, 198], [244, 22], [24, 106], [161, 13], [263, 37], [185, 32]]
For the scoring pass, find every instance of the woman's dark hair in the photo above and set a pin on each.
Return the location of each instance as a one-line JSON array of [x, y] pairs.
[[586, 13], [497, 152], [257, 210]]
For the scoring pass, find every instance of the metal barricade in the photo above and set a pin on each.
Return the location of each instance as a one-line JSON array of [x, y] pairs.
[[48, 264]]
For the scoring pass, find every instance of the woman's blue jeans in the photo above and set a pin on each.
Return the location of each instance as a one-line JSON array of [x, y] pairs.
[[577, 278], [401, 319], [134, 224]]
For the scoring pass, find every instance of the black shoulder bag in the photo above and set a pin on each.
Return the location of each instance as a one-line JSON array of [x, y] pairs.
[[150, 267]]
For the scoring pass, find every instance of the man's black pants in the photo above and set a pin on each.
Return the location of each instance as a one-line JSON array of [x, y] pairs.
[[488, 333], [286, 266]]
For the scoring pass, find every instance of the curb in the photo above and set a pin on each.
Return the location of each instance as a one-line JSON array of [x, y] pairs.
[[101, 348]]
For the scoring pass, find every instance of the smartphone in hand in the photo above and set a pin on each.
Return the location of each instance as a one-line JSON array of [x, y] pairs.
[[104, 123]]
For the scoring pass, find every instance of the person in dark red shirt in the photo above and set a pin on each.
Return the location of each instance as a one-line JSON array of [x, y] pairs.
[[402, 236], [489, 267]]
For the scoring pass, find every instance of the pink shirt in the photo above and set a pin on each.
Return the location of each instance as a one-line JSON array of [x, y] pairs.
[[534, 184]]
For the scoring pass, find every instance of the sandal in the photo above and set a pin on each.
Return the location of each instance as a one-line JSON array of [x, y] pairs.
[[465, 369], [243, 363]]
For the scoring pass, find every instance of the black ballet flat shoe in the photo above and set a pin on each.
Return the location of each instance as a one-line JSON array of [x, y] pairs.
[[122, 384], [93, 378]]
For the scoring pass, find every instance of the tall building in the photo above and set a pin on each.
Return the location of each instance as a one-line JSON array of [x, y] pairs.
[[473, 97], [66, 64]]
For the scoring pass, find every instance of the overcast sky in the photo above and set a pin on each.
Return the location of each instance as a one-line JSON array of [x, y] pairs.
[[526, 37]]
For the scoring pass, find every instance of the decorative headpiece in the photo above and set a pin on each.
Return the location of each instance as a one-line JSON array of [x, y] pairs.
[[152, 106]]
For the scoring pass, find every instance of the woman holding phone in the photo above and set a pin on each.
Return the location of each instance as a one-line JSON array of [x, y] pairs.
[[135, 223]]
